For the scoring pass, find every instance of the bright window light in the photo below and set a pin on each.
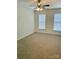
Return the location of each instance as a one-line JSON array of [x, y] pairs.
[[57, 22], [42, 21]]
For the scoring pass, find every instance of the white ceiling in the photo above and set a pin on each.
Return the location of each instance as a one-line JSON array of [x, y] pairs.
[[52, 3]]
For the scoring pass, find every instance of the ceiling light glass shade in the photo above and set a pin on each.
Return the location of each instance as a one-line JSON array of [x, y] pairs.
[[39, 9], [39, 4]]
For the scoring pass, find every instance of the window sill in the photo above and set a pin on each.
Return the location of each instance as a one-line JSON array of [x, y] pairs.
[[57, 31], [42, 30]]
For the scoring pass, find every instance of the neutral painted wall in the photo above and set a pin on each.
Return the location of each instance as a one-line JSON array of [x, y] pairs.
[[25, 20], [49, 20]]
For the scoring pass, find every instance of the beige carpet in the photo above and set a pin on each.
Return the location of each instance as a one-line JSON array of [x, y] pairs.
[[39, 46]]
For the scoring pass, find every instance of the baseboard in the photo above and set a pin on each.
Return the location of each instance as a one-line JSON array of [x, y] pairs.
[[54, 33], [24, 36], [39, 32]]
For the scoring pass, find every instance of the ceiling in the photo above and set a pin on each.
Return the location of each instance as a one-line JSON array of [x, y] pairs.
[[52, 3]]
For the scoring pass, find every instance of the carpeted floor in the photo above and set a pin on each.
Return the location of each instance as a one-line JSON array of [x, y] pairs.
[[39, 46]]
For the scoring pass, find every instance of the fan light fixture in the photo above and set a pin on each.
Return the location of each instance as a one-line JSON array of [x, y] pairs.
[[39, 7]]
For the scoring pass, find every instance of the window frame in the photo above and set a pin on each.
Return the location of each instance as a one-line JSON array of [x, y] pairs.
[[56, 24], [40, 28]]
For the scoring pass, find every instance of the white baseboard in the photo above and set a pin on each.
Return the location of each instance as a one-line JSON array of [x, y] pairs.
[[55, 33], [24, 36], [39, 32]]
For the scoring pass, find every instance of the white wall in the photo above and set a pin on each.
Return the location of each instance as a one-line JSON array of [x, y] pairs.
[[25, 20]]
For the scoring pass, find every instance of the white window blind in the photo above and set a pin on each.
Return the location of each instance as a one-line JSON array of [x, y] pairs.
[[41, 21], [57, 22]]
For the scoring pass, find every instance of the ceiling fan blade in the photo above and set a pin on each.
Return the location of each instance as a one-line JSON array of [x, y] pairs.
[[46, 5]]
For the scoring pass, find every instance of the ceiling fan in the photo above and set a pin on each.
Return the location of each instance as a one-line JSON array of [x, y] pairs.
[[40, 6]]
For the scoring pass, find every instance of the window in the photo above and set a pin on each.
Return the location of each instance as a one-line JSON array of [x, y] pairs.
[[42, 21], [57, 22]]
